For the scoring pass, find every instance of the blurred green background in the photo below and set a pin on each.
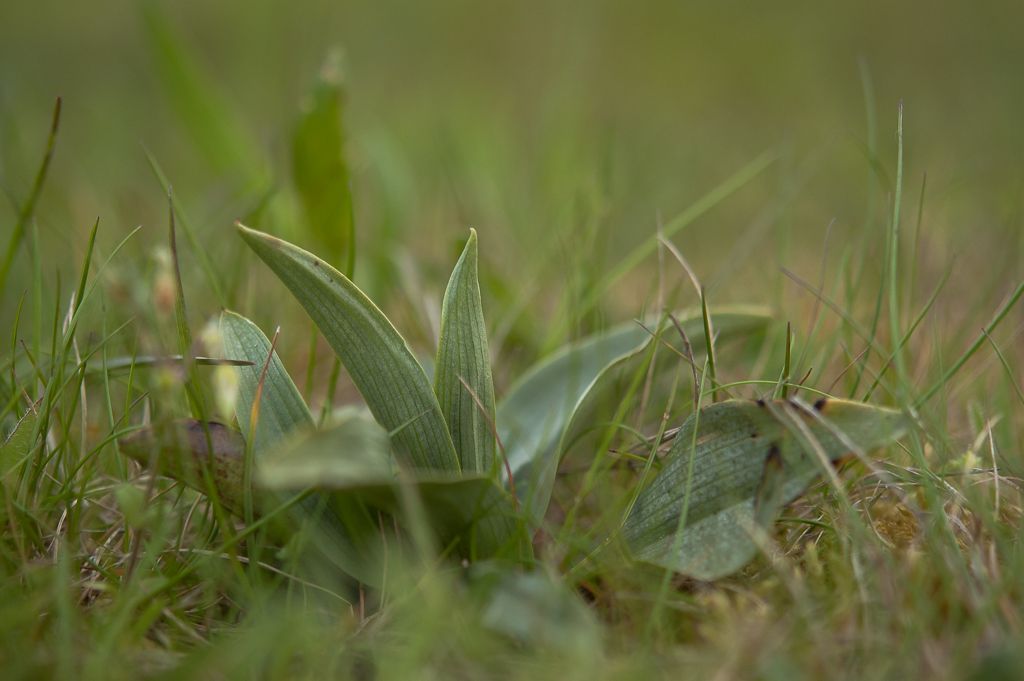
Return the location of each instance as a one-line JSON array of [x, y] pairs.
[[562, 131]]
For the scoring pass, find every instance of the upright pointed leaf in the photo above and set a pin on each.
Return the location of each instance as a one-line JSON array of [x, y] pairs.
[[377, 358], [551, 403], [746, 460], [462, 375], [319, 169]]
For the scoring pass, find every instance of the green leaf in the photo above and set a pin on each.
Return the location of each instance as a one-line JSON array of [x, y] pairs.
[[462, 377], [746, 460], [319, 169], [350, 532], [352, 461], [377, 358], [282, 410], [556, 399], [355, 448]]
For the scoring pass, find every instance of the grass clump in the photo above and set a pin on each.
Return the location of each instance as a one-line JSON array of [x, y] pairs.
[[826, 483]]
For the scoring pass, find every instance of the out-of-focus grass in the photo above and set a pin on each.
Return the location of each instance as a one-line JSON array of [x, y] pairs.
[[565, 133]]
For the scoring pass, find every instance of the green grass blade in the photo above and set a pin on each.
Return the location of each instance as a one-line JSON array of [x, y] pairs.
[[894, 260], [28, 208], [681, 221], [319, 169], [709, 343], [199, 103], [462, 376], [975, 346], [199, 249], [86, 262], [749, 459], [378, 359]]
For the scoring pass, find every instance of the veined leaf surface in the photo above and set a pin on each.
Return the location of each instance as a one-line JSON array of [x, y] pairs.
[[282, 411], [462, 374], [17, 445], [376, 356], [746, 460], [546, 408]]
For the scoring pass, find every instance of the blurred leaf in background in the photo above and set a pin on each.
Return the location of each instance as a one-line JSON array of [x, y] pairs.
[[319, 170]]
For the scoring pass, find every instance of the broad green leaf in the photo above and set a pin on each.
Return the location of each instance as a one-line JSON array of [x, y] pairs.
[[352, 461], [377, 358], [747, 459], [462, 374], [355, 448], [187, 450], [319, 169], [556, 399], [282, 411], [350, 532]]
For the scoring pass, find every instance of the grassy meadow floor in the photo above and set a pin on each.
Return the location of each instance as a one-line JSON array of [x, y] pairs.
[[881, 223]]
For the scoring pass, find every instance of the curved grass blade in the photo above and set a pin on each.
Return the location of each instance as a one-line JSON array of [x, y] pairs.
[[547, 408], [377, 357], [748, 460], [28, 208], [462, 374]]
